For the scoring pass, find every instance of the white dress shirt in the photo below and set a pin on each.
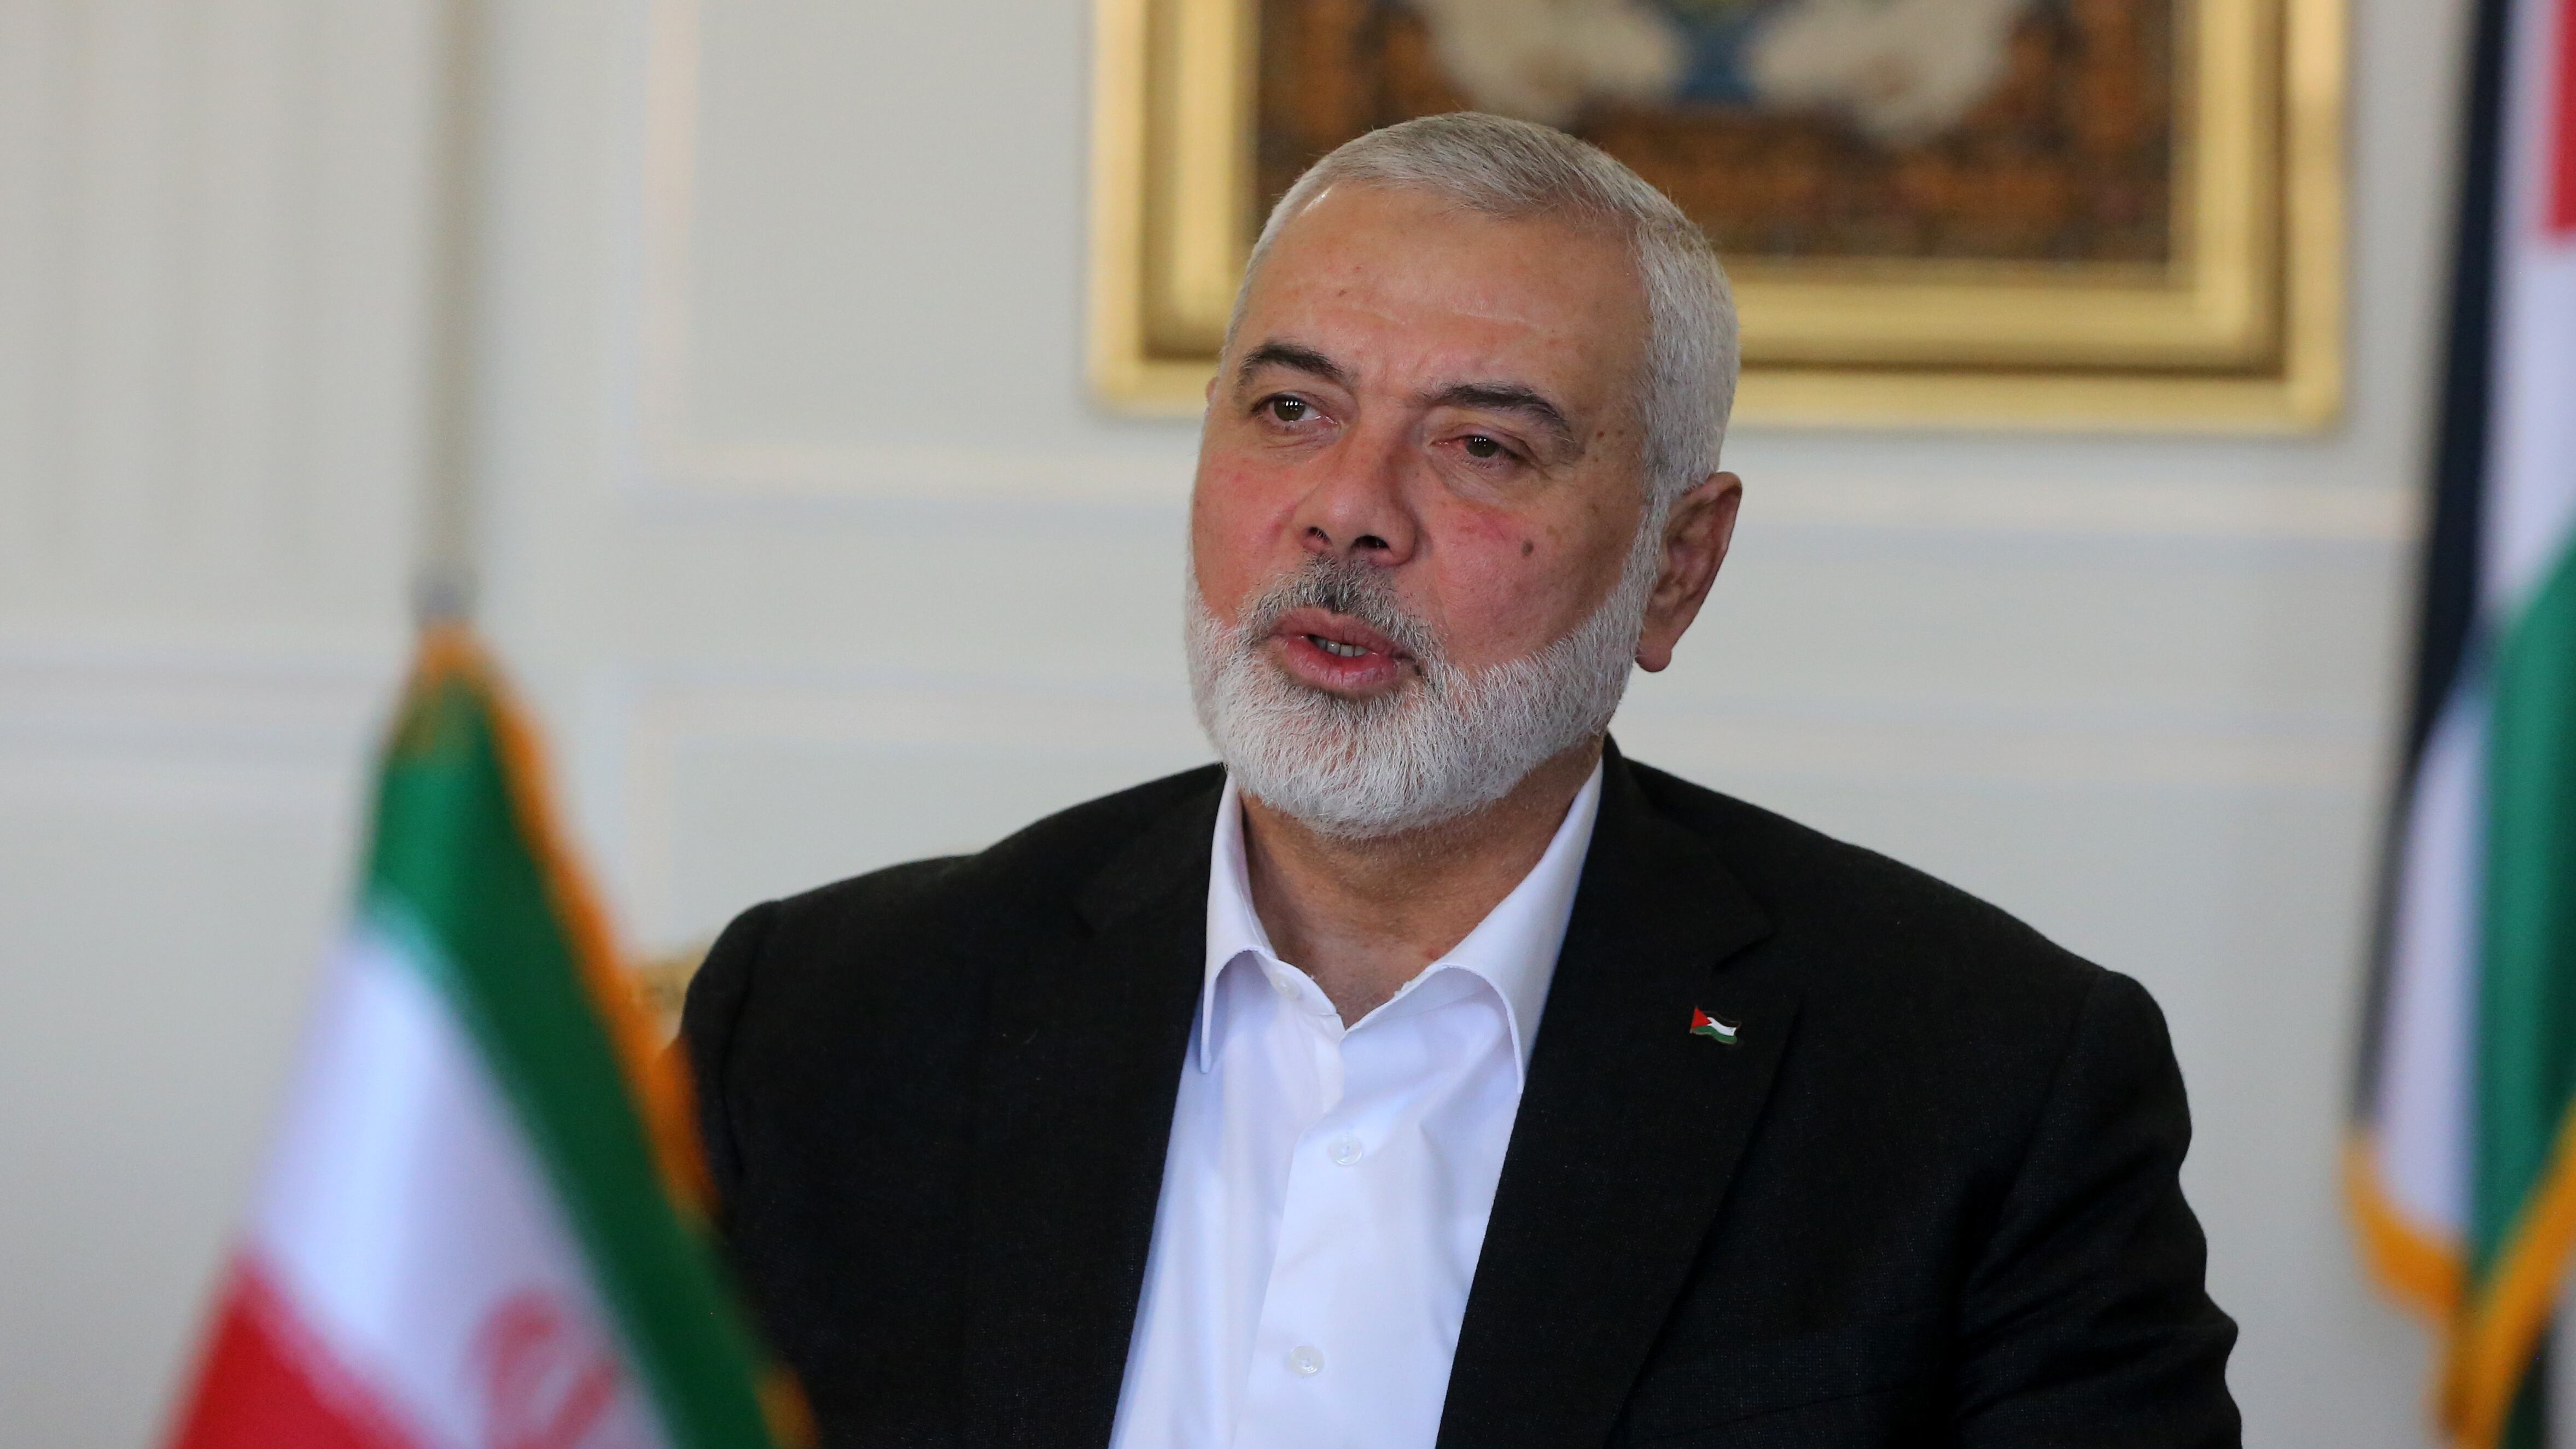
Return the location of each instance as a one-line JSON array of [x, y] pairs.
[[1326, 1187]]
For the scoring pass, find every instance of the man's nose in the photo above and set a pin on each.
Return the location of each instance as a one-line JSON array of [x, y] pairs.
[[1357, 507]]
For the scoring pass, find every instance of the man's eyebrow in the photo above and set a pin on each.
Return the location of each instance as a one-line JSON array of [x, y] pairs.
[[1293, 357], [1509, 397]]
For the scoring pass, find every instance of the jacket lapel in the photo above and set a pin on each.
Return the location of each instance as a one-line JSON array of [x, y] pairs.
[[1082, 1063], [1629, 1130]]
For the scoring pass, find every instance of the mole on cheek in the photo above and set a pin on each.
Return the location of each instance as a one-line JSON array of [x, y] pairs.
[[1528, 548]]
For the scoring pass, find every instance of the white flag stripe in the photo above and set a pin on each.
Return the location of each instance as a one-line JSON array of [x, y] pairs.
[[2423, 1092], [2531, 463], [412, 1229]]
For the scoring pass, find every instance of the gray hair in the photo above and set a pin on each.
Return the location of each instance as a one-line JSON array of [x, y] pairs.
[[1514, 169]]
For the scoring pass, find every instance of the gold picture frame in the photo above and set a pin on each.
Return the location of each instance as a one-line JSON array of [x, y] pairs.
[[2239, 327]]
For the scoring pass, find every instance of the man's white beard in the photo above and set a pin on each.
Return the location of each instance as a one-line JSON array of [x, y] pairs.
[[1445, 744]]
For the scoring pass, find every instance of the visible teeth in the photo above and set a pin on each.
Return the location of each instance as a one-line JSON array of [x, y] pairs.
[[1337, 647]]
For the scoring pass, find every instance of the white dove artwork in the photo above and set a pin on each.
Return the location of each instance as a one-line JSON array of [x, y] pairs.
[[1898, 71]]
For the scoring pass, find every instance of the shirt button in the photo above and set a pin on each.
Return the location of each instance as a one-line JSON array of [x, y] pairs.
[[1306, 1360], [1344, 1150], [1286, 988]]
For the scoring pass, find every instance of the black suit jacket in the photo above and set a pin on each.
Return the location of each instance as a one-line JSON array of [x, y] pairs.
[[1929, 1196]]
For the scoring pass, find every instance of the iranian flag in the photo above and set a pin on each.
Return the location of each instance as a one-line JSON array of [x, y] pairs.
[[2463, 1162], [483, 1226]]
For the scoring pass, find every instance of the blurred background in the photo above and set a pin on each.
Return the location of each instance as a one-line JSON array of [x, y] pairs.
[[798, 529]]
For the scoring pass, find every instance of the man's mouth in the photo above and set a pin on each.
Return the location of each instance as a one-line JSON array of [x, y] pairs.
[[1339, 635], [1336, 651]]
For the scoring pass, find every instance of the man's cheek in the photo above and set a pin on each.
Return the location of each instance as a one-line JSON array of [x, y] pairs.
[[1510, 561], [1249, 515]]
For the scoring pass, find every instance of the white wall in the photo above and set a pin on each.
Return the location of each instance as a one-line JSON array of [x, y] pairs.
[[813, 556]]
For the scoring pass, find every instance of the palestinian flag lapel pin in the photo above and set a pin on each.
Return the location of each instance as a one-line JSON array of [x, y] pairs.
[[1721, 1032]]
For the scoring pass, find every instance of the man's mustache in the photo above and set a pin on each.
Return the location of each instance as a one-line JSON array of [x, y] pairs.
[[1348, 588]]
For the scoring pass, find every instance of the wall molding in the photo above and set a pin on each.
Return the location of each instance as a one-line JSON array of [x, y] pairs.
[[2242, 510], [659, 719], [911, 473], [153, 721]]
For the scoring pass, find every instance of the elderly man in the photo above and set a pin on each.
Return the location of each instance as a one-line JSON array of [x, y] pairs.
[[1431, 1073]]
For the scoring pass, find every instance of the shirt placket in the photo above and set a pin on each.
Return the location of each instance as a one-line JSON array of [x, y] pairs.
[[1290, 1396]]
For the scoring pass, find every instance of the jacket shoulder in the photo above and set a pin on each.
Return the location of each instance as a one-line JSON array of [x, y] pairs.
[[895, 961], [1854, 905], [1037, 871]]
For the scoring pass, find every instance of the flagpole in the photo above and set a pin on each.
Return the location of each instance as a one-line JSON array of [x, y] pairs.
[[444, 579]]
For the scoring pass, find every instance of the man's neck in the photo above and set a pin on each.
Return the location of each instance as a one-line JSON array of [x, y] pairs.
[[1363, 917]]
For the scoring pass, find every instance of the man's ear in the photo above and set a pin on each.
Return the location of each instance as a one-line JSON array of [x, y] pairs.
[[1696, 535]]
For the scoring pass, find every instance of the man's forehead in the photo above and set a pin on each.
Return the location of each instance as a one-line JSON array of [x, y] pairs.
[[1365, 279]]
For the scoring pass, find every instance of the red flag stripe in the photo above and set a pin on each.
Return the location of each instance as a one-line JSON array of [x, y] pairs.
[[2562, 137], [268, 1383]]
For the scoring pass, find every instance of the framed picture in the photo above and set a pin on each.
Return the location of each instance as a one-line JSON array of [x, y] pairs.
[[2067, 213]]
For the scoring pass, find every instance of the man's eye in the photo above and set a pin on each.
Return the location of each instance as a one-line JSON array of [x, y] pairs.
[[1479, 446], [1288, 409]]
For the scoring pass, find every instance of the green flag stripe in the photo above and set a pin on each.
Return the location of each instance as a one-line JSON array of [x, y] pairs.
[[2520, 1227], [452, 861], [2527, 1001]]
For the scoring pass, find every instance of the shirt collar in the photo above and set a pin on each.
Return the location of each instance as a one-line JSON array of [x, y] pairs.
[[1514, 948]]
